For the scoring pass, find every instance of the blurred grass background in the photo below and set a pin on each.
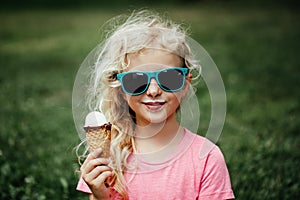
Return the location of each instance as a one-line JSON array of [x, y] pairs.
[[255, 46]]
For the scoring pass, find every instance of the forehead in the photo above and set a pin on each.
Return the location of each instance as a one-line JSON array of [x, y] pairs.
[[151, 59]]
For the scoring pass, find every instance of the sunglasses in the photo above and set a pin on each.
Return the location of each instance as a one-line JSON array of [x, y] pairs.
[[137, 82]]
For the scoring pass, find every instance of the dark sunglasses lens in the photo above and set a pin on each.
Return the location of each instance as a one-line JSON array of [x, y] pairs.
[[171, 80], [135, 83]]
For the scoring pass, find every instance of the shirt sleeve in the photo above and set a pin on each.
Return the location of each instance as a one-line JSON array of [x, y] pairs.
[[83, 187], [215, 182]]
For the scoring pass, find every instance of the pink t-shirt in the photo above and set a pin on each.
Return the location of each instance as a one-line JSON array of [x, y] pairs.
[[195, 170]]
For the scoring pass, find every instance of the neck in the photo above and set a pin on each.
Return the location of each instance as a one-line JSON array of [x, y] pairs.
[[157, 136]]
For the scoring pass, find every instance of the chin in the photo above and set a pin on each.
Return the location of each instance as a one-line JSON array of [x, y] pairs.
[[154, 120], [157, 121]]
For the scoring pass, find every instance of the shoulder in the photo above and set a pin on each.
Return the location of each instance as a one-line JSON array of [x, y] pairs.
[[214, 179], [202, 144], [203, 149]]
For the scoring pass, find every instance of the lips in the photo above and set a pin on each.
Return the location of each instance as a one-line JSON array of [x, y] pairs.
[[154, 105]]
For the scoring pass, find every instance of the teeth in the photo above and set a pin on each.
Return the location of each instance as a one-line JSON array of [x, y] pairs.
[[153, 102]]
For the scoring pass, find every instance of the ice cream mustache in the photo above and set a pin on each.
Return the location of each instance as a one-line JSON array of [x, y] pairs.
[[98, 132]]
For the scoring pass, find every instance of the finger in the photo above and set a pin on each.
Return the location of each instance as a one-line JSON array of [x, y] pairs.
[[101, 179], [89, 166], [97, 176], [91, 156], [97, 152], [97, 171]]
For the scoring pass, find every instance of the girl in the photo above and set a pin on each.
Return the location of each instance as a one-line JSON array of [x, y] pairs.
[[142, 75]]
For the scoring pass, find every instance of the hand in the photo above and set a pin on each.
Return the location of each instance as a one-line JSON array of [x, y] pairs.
[[94, 172]]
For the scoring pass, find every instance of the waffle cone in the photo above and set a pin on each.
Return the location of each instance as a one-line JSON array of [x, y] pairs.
[[99, 137]]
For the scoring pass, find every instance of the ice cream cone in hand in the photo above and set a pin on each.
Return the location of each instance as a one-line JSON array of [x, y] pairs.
[[98, 135]]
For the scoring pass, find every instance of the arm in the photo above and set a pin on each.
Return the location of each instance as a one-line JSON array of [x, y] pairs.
[[91, 197], [94, 171]]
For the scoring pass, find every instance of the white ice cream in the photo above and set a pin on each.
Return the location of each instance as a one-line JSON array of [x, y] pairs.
[[95, 119]]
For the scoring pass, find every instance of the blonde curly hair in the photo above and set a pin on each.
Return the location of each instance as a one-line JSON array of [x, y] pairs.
[[141, 30]]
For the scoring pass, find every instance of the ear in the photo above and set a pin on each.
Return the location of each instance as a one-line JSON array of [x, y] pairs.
[[189, 77]]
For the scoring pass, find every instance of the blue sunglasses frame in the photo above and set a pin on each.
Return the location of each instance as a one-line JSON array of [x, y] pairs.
[[154, 75]]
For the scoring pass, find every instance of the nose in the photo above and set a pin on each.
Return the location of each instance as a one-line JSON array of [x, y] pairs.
[[153, 89]]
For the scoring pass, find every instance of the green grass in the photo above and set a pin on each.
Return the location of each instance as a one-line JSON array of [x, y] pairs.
[[256, 50]]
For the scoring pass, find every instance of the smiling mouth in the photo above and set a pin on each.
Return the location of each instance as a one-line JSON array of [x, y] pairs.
[[155, 105]]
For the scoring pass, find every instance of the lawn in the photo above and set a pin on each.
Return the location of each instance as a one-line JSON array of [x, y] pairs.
[[256, 50]]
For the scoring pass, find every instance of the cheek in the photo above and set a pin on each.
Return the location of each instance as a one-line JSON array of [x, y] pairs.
[[131, 101], [178, 96], [174, 102], [127, 101]]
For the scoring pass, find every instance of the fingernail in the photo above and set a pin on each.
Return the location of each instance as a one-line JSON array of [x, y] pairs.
[[99, 149], [104, 160]]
